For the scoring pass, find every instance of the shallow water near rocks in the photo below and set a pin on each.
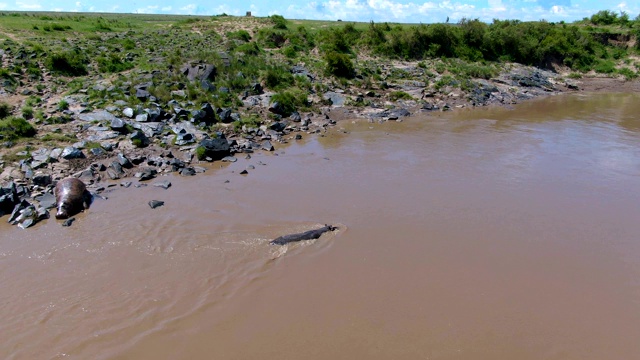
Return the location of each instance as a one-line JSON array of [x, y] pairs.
[[502, 233]]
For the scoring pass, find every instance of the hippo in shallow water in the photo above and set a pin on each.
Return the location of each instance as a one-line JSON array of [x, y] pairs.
[[307, 235], [72, 197]]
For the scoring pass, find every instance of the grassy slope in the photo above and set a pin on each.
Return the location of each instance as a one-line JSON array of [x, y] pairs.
[[120, 50]]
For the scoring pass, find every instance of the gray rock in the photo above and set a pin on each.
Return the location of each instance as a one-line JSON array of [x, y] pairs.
[[41, 179], [97, 151], [266, 145], [302, 71], [112, 174], [256, 89], [139, 138], [165, 184], [55, 153], [124, 161], [199, 72], [46, 200], [277, 108], [335, 98], [118, 125], [41, 156], [71, 152], [142, 117], [187, 171], [206, 85], [295, 117], [8, 198], [143, 95], [225, 115], [107, 146], [185, 139], [155, 203], [98, 115], [150, 129], [128, 112], [216, 148], [278, 126], [146, 174]]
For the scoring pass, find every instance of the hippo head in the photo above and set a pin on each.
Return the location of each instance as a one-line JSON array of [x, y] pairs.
[[63, 211]]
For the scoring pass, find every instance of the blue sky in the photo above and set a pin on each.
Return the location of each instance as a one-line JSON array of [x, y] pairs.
[[411, 11]]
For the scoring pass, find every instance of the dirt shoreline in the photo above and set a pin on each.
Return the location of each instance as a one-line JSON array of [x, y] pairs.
[[173, 146]]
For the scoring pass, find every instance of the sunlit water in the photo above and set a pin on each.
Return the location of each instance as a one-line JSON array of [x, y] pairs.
[[485, 234]]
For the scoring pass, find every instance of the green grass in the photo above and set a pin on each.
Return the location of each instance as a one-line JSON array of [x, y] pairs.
[[399, 95], [13, 128]]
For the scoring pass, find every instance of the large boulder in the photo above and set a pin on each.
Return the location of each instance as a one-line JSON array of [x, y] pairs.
[[71, 152], [8, 198], [214, 149], [199, 71]]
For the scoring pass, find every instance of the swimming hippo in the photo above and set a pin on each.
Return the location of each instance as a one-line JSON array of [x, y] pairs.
[[72, 197], [307, 235]]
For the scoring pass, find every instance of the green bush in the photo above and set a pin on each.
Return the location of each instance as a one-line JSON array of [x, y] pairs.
[[627, 73], [340, 40], [605, 67], [272, 38], [5, 110], [242, 35], [251, 121], [399, 95], [250, 48], [278, 77], [60, 27], [291, 100], [128, 44], [71, 63], [112, 64], [63, 105], [290, 52], [27, 112], [339, 65], [201, 152], [604, 17], [13, 128], [279, 22]]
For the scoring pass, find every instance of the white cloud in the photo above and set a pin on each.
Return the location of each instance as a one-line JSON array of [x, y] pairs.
[[166, 8], [28, 5], [189, 9], [3, 6], [496, 5], [151, 9], [556, 9], [430, 11]]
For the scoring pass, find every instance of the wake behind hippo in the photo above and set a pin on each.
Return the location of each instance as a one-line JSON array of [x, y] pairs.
[[72, 197], [307, 235]]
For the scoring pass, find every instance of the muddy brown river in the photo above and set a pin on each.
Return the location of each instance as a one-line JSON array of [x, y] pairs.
[[503, 233]]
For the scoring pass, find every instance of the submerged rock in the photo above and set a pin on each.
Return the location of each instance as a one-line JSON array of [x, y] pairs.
[[155, 203]]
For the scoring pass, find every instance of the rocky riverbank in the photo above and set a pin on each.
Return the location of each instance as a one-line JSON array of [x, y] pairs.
[[131, 135]]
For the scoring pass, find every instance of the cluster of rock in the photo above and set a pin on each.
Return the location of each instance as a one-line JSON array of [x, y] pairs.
[[122, 140], [24, 207]]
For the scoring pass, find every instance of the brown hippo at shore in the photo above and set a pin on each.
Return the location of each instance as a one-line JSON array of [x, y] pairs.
[[72, 197]]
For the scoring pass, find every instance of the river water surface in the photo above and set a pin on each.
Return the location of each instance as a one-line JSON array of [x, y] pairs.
[[503, 233]]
